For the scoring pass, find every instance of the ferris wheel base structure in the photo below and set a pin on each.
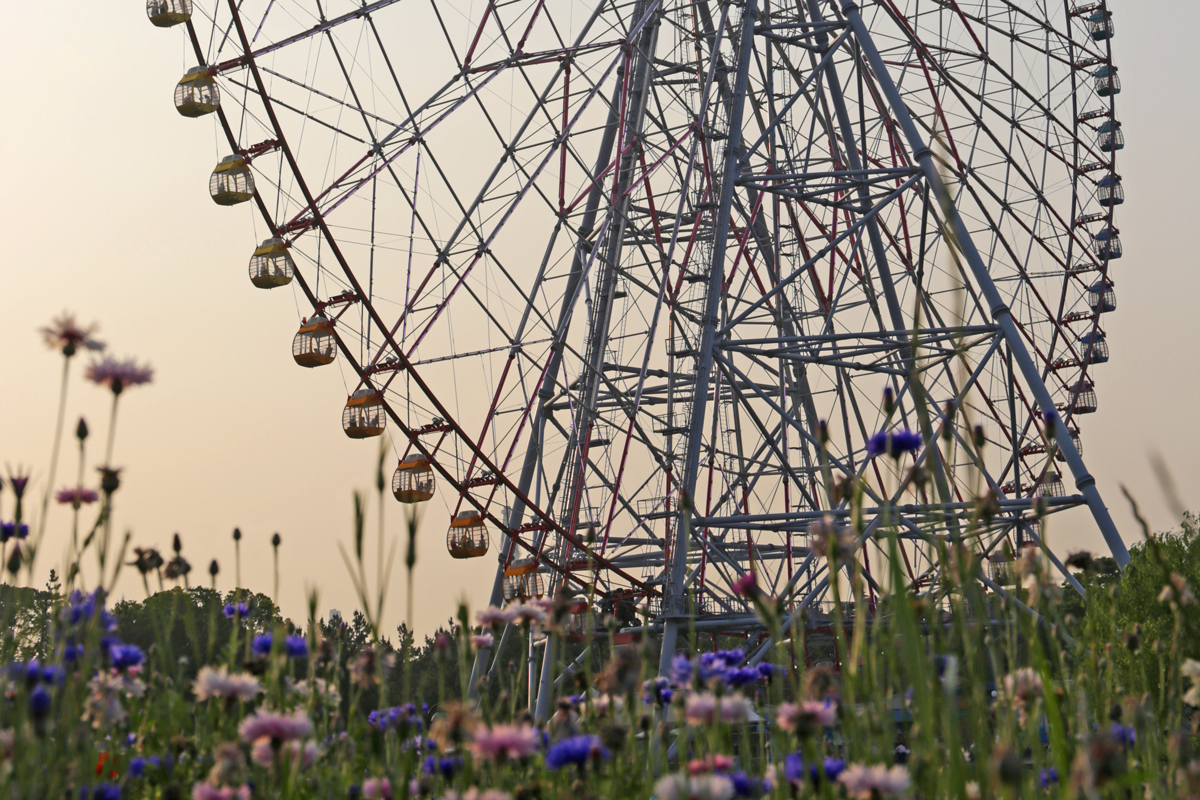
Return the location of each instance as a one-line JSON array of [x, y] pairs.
[[636, 286]]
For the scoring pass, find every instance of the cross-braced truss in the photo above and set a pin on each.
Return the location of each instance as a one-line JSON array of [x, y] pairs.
[[611, 264]]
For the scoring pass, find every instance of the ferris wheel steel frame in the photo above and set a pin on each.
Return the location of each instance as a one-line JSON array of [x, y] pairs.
[[731, 188]]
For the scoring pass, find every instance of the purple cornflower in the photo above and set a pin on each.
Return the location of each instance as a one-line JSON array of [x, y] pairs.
[[137, 767], [894, 444], [239, 610], [18, 482], [72, 652], [296, 647], [10, 530], [102, 792], [118, 375], [681, 670], [39, 703], [745, 786], [742, 675], [124, 656], [657, 691], [576, 750], [1048, 777], [76, 496], [262, 644], [446, 767], [1124, 735]]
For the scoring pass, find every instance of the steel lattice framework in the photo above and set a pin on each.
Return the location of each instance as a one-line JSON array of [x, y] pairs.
[[610, 264]]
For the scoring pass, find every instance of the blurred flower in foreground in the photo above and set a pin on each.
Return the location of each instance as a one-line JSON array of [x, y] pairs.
[[877, 781], [221, 683], [275, 726], [894, 444], [506, 741], [118, 375], [76, 496], [713, 786], [66, 335], [1191, 670]]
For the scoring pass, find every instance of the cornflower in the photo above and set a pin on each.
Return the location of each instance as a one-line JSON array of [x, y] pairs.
[[76, 496], [275, 726], [577, 750], [506, 741], [482, 641], [221, 683], [713, 786], [894, 444], [239, 610], [875, 781]]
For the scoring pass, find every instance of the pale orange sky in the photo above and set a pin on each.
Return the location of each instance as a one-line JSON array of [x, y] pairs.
[[104, 211]]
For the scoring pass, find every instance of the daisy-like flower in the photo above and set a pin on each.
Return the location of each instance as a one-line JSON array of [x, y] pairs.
[[493, 616], [713, 786], [220, 683], [76, 496], [506, 741], [283, 728], [875, 781], [66, 335], [118, 375]]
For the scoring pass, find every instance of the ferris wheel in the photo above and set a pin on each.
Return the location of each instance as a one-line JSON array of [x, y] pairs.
[[614, 273]]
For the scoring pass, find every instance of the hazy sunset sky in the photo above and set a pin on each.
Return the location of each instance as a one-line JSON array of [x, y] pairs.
[[104, 211]]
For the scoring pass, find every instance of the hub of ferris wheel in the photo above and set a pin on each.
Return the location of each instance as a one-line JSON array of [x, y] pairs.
[[636, 286]]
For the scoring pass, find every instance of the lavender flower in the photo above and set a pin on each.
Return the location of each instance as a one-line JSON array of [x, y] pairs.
[[118, 375], [76, 496], [66, 335]]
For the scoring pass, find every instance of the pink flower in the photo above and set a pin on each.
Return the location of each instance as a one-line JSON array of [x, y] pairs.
[[219, 683], [376, 788], [822, 714], [877, 781], [696, 787], [530, 613], [77, 496], [506, 741], [745, 585], [263, 753], [714, 763], [492, 616], [275, 726], [702, 708], [482, 641], [475, 794], [118, 375], [206, 791]]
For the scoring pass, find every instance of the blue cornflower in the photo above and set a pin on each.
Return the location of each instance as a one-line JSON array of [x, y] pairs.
[[1051, 417], [575, 750], [745, 786], [296, 646], [446, 767], [7, 529], [657, 691], [1048, 777], [137, 767], [72, 652], [262, 644], [831, 767], [765, 670], [353, 793], [742, 676], [53, 674], [239, 610], [28, 671], [123, 656], [793, 768], [39, 702], [102, 792], [681, 670], [894, 444], [22, 531], [1124, 735]]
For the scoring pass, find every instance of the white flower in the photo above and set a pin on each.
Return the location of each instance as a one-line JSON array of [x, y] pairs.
[[220, 683], [703, 708], [876, 781], [1191, 669], [694, 787]]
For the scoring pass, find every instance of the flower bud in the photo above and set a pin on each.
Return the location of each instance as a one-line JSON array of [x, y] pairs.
[[81, 430], [237, 534], [948, 421], [276, 540], [889, 401], [176, 544], [978, 437], [213, 568], [823, 433]]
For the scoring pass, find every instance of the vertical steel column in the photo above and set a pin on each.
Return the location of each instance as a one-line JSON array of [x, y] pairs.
[[673, 610], [999, 310]]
